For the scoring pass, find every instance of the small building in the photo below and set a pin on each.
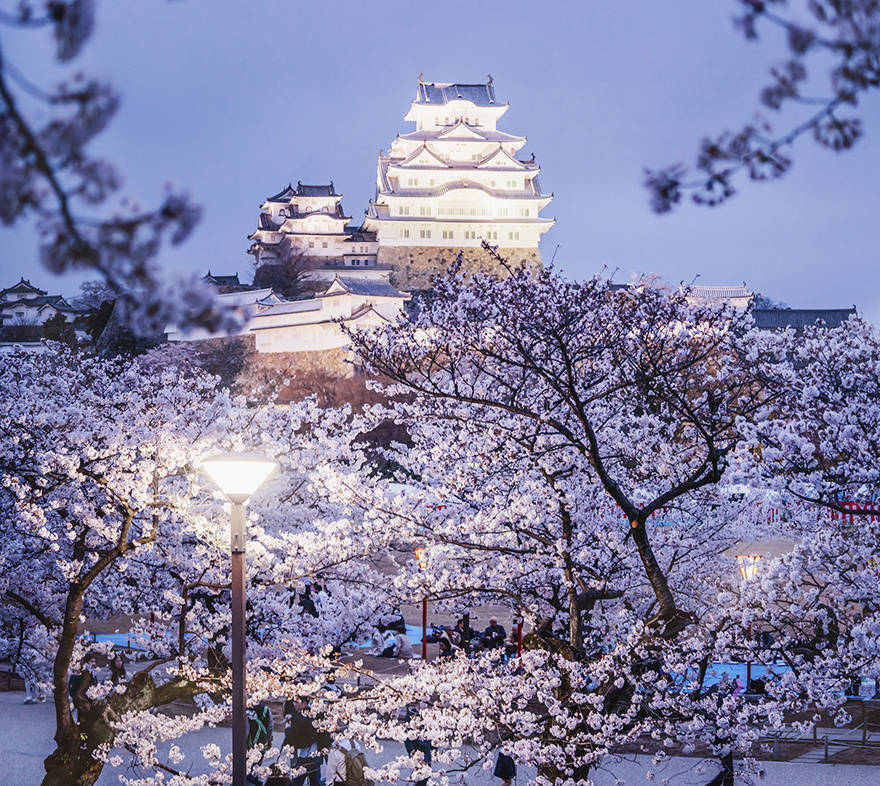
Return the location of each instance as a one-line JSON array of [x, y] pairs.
[[737, 296], [25, 304], [310, 324]]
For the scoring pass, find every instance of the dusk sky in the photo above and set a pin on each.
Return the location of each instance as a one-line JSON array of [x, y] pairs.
[[232, 100]]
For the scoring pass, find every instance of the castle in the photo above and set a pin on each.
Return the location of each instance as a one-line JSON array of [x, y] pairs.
[[444, 188]]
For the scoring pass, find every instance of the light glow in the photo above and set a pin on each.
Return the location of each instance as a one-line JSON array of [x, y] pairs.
[[748, 565], [421, 558], [238, 475]]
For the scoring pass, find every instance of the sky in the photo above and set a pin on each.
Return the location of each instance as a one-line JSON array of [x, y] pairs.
[[232, 100]]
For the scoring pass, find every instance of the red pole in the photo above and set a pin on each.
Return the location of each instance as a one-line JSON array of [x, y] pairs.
[[425, 629], [519, 639]]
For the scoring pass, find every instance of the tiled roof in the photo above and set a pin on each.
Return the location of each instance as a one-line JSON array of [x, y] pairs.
[[23, 286], [720, 292], [361, 287], [321, 190], [444, 92], [56, 301], [222, 281], [289, 191], [779, 318]]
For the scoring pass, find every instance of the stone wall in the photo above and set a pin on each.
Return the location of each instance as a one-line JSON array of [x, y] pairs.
[[415, 265]]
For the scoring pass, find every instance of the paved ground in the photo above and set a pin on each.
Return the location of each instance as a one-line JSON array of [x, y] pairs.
[[26, 739]]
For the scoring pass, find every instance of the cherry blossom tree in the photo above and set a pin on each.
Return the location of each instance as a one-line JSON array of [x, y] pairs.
[[48, 173], [576, 442], [840, 39], [107, 518]]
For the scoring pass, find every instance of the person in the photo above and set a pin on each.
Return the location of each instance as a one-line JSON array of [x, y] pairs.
[[494, 635], [345, 764], [414, 745], [319, 596], [307, 602], [117, 668], [420, 746], [403, 646], [389, 650], [505, 768], [302, 736], [259, 723], [446, 650], [78, 684], [32, 692]]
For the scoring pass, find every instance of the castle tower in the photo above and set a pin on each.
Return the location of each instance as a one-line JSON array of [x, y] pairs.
[[452, 183], [309, 221]]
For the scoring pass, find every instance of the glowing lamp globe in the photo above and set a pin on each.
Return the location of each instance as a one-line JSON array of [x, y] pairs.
[[238, 475], [748, 565], [421, 558]]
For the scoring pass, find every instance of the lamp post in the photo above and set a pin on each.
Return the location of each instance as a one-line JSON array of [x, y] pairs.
[[748, 568], [422, 559], [238, 476]]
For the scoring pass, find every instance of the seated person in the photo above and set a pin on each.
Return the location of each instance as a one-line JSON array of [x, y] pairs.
[[389, 649], [403, 645], [494, 635]]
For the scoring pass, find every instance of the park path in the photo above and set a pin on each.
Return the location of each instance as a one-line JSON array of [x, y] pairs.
[[26, 739]]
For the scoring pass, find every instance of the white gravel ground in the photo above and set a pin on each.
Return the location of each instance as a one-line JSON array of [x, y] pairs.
[[26, 739]]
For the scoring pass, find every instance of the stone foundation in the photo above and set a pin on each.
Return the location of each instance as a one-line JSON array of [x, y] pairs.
[[414, 266]]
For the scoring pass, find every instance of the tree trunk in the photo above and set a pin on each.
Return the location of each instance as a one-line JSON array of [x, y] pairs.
[[653, 571], [71, 766]]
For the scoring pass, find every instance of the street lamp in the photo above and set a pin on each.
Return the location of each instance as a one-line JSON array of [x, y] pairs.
[[748, 569], [422, 559], [238, 476]]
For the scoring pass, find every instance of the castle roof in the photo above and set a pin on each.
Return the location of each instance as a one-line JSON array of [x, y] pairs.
[[56, 301], [222, 281], [780, 318], [722, 292], [444, 92], [328, 190], [287, 193], [357, 286], [22, 287]]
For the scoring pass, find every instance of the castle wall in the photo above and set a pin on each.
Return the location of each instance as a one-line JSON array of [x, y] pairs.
[[413, 266]]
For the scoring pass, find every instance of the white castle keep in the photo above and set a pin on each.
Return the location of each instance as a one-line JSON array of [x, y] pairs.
[[448, 186], [454, 182]]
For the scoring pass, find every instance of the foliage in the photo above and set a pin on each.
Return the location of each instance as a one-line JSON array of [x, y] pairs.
[[845, 33], [577, 445], [48, 173]]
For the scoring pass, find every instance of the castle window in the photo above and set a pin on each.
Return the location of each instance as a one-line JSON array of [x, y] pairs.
[[404, 233], [424, 211], [413, 181], [311, 244], [503, 211], [324, 244], [424, 233], [491, 184], [511, 183], [525, 212], [513, 235], [403, 211], [447, 234], [491, 236], [431, 181]]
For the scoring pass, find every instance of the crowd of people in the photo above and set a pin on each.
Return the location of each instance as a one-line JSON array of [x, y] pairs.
[[462, 638], [343, 760], [391, 640]]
